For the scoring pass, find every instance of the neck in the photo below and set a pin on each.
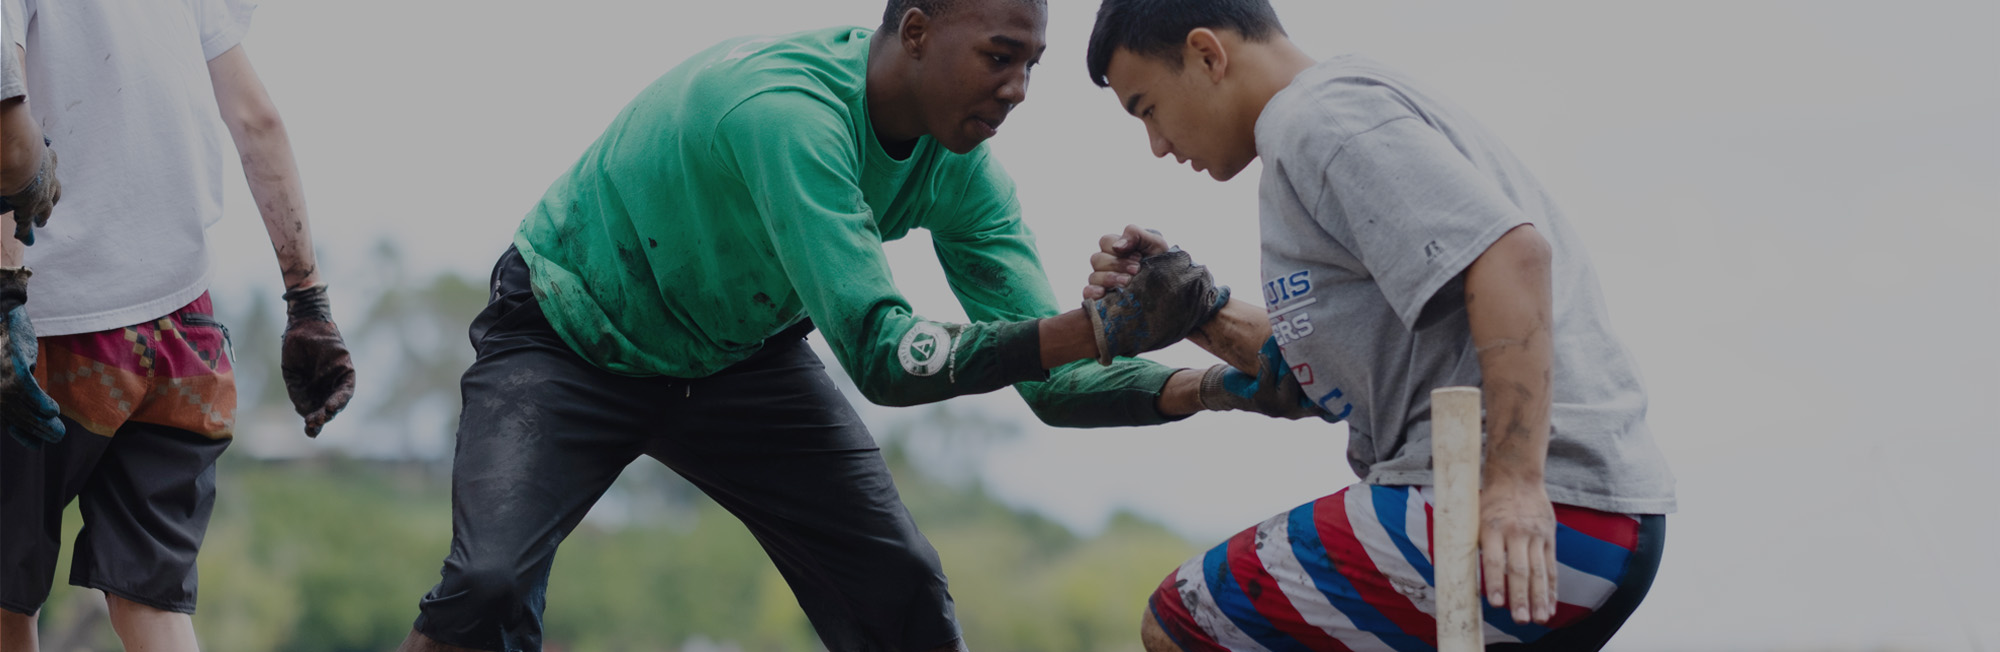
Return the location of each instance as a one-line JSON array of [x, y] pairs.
[[892, 103], [1273, 65]]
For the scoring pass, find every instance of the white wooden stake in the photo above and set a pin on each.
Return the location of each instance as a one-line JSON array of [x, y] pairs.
[[1455, 461]]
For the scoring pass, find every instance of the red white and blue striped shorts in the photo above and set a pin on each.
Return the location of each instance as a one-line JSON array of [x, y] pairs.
[[1352, 571]]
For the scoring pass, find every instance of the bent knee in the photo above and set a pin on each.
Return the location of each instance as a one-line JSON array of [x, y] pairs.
[[491, 588], [1154, 638]]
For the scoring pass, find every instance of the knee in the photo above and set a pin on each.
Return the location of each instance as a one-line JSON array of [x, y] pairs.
[[490, 588], [1152, 637], [120, 608]]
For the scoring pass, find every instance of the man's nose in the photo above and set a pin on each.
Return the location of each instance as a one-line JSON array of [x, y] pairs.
[[1015, 90]]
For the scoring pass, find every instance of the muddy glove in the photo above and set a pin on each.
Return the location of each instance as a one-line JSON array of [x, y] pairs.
[[1166, 300], [26, 412], [319, 374], [32, 203], [1273, 391]]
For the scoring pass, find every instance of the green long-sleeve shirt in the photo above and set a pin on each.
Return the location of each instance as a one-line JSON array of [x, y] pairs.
[[745, 190]]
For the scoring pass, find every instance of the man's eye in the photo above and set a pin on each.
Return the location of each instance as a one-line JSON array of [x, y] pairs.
[[1001, 59], [1148, 113]]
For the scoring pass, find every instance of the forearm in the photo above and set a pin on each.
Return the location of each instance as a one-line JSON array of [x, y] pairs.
[[20, 145], [1066, 338], [1235, 335], [273, 176], [20, 158], [1509, 305], [266, 152], [1129, 392]]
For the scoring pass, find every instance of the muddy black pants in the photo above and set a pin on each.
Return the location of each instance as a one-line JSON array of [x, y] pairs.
[[544, 433]]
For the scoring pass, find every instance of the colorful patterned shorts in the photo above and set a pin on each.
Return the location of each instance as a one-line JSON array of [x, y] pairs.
[[173, 371], [1352, 571]]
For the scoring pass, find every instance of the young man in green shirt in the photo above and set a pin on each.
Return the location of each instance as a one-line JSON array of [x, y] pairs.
[[656, 299]]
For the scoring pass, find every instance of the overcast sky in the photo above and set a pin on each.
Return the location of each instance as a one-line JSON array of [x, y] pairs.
[[1794, 209]]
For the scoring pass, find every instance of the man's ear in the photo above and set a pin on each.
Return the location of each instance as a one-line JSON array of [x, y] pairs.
[[1204, 54], [914, 32]]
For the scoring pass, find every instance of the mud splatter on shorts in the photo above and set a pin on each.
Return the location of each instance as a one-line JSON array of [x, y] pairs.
[[1352, 571]]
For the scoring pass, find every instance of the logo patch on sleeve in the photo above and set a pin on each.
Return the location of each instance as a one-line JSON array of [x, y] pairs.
[[925, 349]]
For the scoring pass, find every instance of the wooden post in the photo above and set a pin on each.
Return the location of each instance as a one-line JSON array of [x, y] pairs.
[[1455, 462]]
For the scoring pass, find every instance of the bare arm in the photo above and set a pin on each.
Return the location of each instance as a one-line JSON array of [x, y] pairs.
[[1508, 300], [1236, 334], [268, 166], [20, 139], [20, 155], [318, 371]]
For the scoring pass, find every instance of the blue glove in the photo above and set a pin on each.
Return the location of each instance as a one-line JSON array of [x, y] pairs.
[[1272, 391], [26, 412]]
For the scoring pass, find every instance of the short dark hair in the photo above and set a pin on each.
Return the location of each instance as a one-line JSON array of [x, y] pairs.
[[1159, 28], [892, 16]]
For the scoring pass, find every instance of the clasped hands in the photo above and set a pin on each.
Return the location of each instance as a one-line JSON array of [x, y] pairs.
[[1145, 295]]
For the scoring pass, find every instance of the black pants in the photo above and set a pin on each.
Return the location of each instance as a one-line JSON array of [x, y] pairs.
[[544, 433], [147, 496]]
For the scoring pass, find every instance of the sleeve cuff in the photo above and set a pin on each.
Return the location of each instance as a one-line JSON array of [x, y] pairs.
[[1019, 345]]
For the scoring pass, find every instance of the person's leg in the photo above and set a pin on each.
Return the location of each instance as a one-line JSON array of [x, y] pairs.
[[145, 512], [418, 642], [541, 436], [1352, 571], [35, 485], [772, 440], [17, 631], [1153, 637], [144, 628]]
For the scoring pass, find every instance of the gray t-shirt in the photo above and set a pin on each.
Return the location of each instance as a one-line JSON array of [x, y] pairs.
[[1376, 197], [13, 18]]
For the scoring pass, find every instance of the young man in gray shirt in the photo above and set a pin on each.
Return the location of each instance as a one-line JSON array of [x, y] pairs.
[[1405, 248]]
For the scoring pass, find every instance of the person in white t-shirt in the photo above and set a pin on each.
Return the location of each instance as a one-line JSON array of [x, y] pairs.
[[140, 94], [29, 191]]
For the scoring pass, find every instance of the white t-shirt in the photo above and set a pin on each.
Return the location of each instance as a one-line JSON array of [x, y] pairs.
[[11, 84], [1376, 197], [121, 88]]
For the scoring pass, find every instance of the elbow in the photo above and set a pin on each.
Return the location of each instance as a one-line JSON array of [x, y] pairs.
[[1050, 417], [886, 398], [1046, 407], [259, 121], [881, 389]]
